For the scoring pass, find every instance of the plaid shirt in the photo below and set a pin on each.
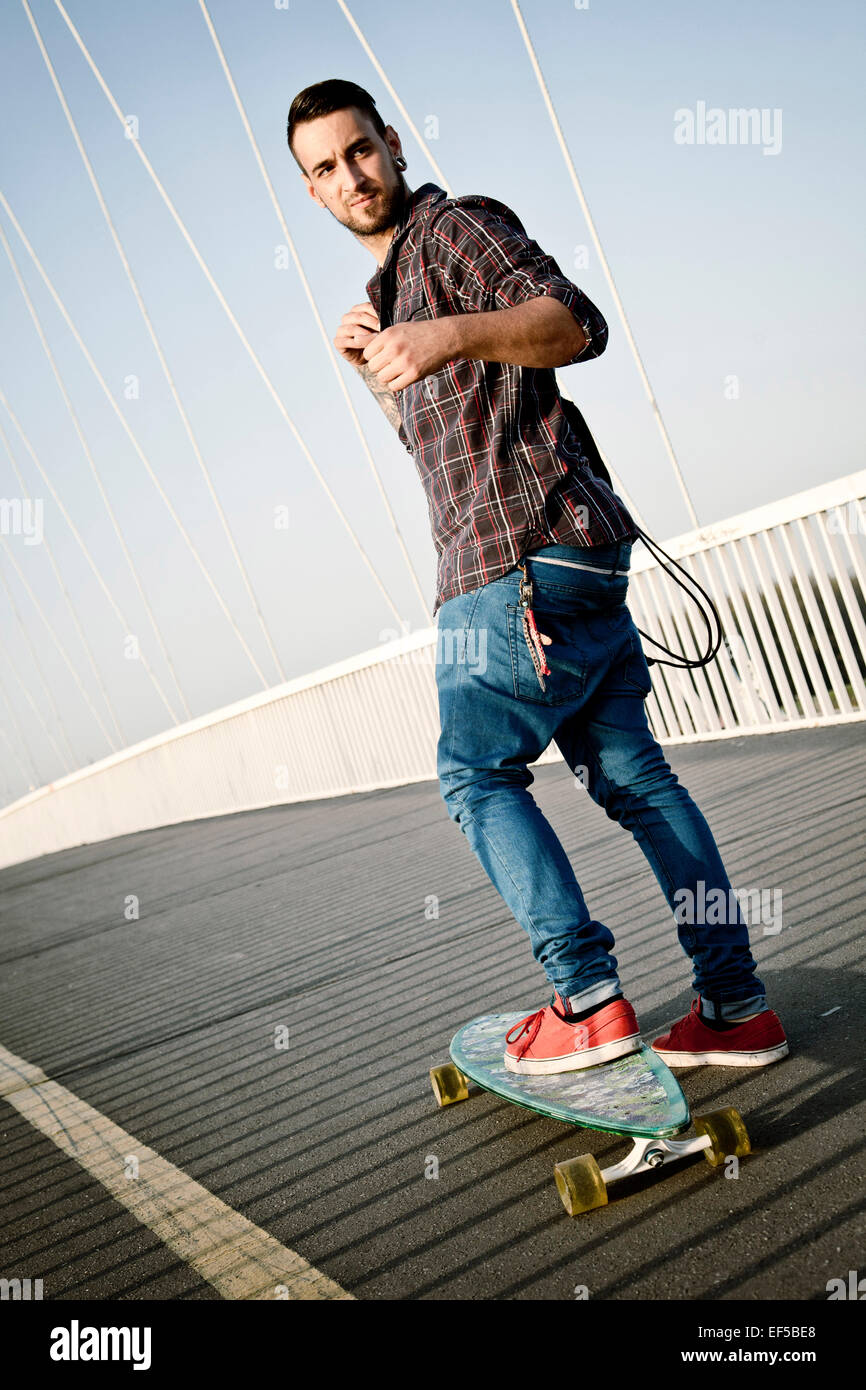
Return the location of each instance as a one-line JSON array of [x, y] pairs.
[[502, 468]]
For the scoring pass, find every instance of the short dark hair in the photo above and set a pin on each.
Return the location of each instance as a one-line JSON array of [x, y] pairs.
[[324, 97]]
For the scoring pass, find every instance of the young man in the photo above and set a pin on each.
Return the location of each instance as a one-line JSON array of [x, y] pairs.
[[465, 320]]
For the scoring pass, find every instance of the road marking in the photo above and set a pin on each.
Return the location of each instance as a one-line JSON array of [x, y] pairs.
[[241, 1260]]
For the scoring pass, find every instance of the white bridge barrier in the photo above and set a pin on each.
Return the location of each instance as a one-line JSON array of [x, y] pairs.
[[788, 579]]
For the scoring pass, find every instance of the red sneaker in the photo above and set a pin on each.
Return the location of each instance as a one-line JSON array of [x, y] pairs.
[[755, 1043], [545, 1042]]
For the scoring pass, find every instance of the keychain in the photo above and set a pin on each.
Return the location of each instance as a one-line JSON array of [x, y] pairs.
[[530, 631]]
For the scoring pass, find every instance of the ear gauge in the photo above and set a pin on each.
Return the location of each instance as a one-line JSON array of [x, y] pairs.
[[400, 161]]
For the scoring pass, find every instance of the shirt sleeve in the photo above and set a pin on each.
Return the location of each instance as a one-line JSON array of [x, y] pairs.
[[488, 262]]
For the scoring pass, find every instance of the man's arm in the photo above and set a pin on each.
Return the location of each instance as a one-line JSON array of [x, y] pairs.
[[491, 266], [384, 395], [516, 305], [357, 327], [541, 333]]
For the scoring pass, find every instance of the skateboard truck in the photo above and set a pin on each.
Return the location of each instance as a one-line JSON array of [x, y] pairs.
[[652, 1153], [582, 1185]]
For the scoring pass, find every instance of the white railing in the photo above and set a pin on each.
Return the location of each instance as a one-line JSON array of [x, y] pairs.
[[789, 580]]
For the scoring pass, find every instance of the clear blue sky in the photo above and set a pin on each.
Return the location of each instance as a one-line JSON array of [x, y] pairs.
[[730, 263]]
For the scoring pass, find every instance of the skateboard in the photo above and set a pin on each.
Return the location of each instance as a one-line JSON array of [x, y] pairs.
[[635, 1096]]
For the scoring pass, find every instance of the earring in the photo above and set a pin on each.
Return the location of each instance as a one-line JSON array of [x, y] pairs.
[[400, 161]]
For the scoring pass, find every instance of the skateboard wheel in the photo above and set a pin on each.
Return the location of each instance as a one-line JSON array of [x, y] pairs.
[[728, 1133], [580, 1184], [449, 1084]]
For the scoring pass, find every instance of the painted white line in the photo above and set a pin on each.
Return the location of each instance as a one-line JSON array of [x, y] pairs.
[[241, 1260]]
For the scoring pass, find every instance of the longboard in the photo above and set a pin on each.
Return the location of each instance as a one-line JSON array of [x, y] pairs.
[[636, 1096]]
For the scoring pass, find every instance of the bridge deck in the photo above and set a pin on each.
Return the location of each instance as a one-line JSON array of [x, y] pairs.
[[313, 917]]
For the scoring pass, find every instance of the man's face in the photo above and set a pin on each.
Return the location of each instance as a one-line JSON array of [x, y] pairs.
[[347, 162]]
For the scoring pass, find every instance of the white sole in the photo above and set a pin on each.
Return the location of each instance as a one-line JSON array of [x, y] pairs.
[[723, 1059], [574, 1061]]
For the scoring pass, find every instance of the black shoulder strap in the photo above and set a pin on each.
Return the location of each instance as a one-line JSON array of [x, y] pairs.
[[581, 429]]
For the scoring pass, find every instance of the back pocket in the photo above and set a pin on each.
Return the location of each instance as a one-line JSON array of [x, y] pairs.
[[635, 671], [568, 663]]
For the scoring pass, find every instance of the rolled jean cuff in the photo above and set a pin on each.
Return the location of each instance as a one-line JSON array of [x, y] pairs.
[[733, 1008], [586, 998]]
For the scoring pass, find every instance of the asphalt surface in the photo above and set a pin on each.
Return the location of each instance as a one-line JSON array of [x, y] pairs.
[[312, 918]]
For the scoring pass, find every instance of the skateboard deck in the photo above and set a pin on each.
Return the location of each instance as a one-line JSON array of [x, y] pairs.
[[635, 1096]]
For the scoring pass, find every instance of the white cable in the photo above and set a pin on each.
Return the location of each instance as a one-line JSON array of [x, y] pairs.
[[136, 145], [329, 348], [7, 662], [138, 449], [604, 265], [157, 347], [87, 453], [422, 144], [62, 587], [23, 742], [108, 594], [70, 762]]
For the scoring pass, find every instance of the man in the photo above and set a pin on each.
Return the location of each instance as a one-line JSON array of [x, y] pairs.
[[465, 320]]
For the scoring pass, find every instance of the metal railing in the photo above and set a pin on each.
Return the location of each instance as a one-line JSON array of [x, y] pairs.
[[789, 582], [788, 579]]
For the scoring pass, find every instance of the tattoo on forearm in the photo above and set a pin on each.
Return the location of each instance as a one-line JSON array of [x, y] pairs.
[[384, 395]]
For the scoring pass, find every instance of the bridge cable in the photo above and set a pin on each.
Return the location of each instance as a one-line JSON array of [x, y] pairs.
[[329, 347], [272, 391], [83, 547], [86, 448], [604, 264], [185, 420]]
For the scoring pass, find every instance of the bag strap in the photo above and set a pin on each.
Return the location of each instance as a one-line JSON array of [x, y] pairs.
[[582, 430]]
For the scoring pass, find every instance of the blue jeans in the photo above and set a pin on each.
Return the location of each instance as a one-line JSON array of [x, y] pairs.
[[496, 718]]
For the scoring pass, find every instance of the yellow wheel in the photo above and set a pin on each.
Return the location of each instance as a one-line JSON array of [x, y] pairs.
[[449, 1084], [728, 1133], [580, 1184]]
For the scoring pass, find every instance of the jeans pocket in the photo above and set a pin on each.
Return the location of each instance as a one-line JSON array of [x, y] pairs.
[[635, 671], [568, 663]]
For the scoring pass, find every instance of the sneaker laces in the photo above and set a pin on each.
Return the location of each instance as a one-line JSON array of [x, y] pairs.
[[529, 1025], [682, 1024]]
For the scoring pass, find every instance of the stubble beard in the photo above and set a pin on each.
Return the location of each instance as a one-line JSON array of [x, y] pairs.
[[378, 216]]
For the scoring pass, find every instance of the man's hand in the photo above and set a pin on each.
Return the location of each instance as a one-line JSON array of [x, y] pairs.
[[356, 329], [408, 352]]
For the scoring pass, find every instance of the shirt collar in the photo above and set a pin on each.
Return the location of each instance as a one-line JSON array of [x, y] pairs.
[[413, 208], [416, 203]]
